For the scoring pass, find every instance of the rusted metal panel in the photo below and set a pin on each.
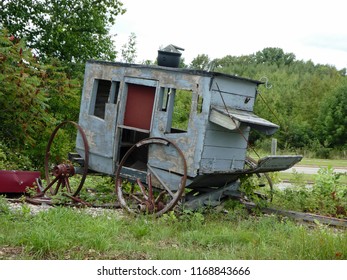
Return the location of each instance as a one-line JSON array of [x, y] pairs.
[[17, 181]]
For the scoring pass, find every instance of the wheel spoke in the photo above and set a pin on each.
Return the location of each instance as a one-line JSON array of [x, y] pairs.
[[67, 184], [57, 187], [160, 180], [142, 188]]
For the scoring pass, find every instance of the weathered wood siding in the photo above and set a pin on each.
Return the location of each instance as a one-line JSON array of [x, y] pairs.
[[99, 131], [225, 150]]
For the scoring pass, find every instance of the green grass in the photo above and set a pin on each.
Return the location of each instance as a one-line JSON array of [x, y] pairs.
[[65, 233], [311, 161], [323, 162], [308, 178]]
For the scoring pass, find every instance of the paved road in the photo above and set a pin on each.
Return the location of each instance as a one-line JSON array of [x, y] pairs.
[[312, 170]]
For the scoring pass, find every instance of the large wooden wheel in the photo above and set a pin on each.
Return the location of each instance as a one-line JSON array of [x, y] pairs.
[[155, 195]]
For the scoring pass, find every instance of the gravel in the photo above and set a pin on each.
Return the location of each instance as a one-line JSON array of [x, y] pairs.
[[15, 205]]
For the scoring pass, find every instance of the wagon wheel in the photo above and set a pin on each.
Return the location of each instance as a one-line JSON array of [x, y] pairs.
[[148, 197], [58, 174], [264, 180]]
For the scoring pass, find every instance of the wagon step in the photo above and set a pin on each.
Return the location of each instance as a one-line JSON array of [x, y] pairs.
[[275, 163], [75, 157]]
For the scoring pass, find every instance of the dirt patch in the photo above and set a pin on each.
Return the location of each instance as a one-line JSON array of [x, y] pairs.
[[10, 253]]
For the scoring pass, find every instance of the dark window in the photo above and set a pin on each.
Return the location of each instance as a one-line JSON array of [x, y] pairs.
[[103, 88], [104, 92]]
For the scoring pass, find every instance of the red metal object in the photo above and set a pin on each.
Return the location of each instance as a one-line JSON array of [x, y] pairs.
[[16, 181]]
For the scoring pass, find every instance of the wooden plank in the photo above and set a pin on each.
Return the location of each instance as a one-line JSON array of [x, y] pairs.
[[214, 152], [232, 101], [300, 216], [223, 120], [219, 165], [225, 138]]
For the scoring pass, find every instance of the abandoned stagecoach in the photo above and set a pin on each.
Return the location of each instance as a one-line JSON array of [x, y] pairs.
[[127, 128]]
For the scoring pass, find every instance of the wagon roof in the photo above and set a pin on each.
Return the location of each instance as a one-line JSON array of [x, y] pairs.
[[179, 70]]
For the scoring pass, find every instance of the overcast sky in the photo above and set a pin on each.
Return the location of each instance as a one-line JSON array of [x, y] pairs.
[[312, 30]]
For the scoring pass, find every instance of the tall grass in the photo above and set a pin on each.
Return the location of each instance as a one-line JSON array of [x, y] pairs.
[[66, 233]]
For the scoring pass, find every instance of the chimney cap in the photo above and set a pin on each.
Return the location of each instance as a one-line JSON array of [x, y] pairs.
[[172, 48]]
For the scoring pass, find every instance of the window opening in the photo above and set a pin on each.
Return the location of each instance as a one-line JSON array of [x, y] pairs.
[[180, 103], [199, 104], [164, 98], [101, 94]]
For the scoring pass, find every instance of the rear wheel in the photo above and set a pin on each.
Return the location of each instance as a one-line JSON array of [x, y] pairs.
[[160, 190]]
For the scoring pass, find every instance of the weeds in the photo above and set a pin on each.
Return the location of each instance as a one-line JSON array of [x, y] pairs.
[[327, 196]]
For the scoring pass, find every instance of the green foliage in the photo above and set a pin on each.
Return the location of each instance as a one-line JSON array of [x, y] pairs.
[[24, 103], [182, 108], [4, 207], [332, 118], [13, 159], [274, 56], [129, 49], [99, 190], [34, 97], [70, 30], [327, 196], [201, 62]]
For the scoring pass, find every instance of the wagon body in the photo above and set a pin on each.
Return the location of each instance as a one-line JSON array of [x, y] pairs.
[[125, 103]]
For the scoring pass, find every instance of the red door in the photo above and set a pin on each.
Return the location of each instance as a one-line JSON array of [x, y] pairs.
[[139, 106]]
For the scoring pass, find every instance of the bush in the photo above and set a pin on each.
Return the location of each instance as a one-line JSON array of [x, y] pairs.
[[327, 196]]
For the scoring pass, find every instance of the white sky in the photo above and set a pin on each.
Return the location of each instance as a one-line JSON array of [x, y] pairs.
[[313, 30]]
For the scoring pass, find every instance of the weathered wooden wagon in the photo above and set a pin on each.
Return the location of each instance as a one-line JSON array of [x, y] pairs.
[[129, 127]]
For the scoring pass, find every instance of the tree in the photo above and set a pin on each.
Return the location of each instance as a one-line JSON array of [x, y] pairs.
[[201, 62], [34, 97], [332, 119], [274, 56], [129, 49], [70, 30]]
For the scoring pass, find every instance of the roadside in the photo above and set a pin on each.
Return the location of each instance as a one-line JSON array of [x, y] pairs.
[[310, 169]]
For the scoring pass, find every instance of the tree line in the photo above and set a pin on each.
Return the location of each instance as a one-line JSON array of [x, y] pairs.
[[45, 43]]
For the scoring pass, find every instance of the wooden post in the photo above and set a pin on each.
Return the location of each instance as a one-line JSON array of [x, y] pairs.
[[273, 146]]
